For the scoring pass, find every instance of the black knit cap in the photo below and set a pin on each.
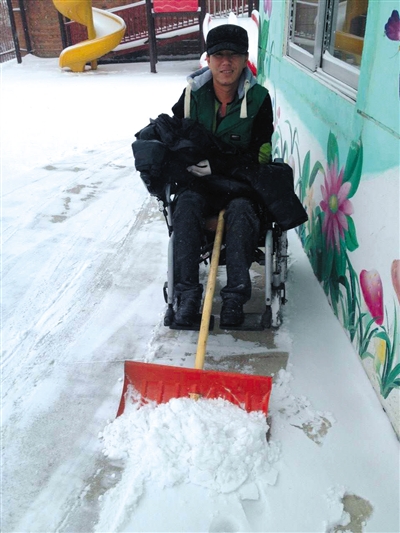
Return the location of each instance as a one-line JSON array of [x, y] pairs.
[[227, 37]]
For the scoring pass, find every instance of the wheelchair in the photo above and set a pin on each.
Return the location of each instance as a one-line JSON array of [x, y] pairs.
[[271, 253]]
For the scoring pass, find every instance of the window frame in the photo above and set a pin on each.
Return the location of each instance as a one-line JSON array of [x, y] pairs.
[[321, 61]]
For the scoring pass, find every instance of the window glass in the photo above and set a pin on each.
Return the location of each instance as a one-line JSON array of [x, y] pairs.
[[305, 16], [329, 35], [348, 29]]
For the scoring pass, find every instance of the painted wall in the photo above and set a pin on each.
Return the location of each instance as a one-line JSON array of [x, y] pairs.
[[345, 154]]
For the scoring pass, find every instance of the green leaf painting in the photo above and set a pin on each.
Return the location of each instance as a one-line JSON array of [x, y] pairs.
[[333, 150], [330, 237], [353, 168]]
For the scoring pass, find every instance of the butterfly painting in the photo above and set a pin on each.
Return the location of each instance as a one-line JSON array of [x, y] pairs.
[[392, 30]]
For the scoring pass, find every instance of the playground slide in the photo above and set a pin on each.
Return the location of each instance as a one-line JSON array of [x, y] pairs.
[[105, 31]]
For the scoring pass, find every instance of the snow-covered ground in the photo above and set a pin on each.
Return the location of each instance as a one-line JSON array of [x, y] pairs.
[[83, 264]]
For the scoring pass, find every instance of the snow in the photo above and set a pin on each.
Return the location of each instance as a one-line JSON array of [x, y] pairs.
[[209, 443], [83, 264]]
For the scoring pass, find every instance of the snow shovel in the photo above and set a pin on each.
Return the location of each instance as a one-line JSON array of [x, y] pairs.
[[161, 383]]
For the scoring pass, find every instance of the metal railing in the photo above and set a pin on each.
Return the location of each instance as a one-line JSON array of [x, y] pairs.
[[222, 8], [9, 46], [134, 16]]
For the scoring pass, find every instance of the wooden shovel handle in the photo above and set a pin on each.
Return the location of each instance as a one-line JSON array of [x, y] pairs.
[[209, 294]]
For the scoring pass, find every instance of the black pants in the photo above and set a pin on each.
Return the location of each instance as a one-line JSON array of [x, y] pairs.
[[242, 233]]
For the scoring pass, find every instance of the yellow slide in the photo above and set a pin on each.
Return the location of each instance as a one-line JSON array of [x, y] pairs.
[[105, 31]]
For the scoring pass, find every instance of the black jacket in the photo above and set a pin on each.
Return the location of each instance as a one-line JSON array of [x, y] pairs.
[[168, 145]]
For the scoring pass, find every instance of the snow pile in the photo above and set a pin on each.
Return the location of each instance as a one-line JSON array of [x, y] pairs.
[[211, 444]]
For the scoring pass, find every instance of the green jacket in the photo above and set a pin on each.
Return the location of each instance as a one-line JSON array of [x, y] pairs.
[[248, 121]]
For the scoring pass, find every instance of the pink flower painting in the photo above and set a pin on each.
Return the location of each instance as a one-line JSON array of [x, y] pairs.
[[335, 205], [268, 7], [371, 286], [395, 271]]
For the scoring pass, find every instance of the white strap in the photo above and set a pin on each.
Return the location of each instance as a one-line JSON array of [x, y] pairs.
[[243, 107], [187, 99]]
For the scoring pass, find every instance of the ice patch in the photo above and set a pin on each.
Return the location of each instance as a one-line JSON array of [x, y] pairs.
[[297, 410], [347, 512]]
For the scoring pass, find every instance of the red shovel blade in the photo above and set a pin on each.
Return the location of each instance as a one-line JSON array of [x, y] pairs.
[[161, 383]]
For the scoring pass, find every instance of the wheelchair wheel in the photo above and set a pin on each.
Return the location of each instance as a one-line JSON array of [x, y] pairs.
[[279, 278], [275, 275], [276, 314]]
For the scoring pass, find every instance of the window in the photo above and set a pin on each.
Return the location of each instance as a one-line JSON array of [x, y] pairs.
[[329, 35]]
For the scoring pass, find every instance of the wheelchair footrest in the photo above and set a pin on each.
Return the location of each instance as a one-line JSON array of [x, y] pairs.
[[193, 327], [252, 322]]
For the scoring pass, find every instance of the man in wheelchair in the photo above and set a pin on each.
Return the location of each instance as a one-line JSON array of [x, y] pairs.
[[215, 152]]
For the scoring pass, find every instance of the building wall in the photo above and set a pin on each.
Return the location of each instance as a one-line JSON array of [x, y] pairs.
[[340, 147], [43, 27]]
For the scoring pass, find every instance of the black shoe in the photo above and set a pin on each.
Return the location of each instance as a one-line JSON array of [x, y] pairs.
[[188, 310], [231, 313]]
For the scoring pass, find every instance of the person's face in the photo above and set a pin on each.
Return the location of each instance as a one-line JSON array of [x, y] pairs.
[[226, 67]]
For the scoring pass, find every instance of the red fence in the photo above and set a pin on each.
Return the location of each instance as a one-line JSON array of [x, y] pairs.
[[134, 16]]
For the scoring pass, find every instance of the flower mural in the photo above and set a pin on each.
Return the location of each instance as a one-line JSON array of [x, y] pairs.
[[395, 273], [327, 186], [336, 206], [268, 7], [372, 290], [264, 55], [331, 232], [386, 340], [277, 116], [329, 237]]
